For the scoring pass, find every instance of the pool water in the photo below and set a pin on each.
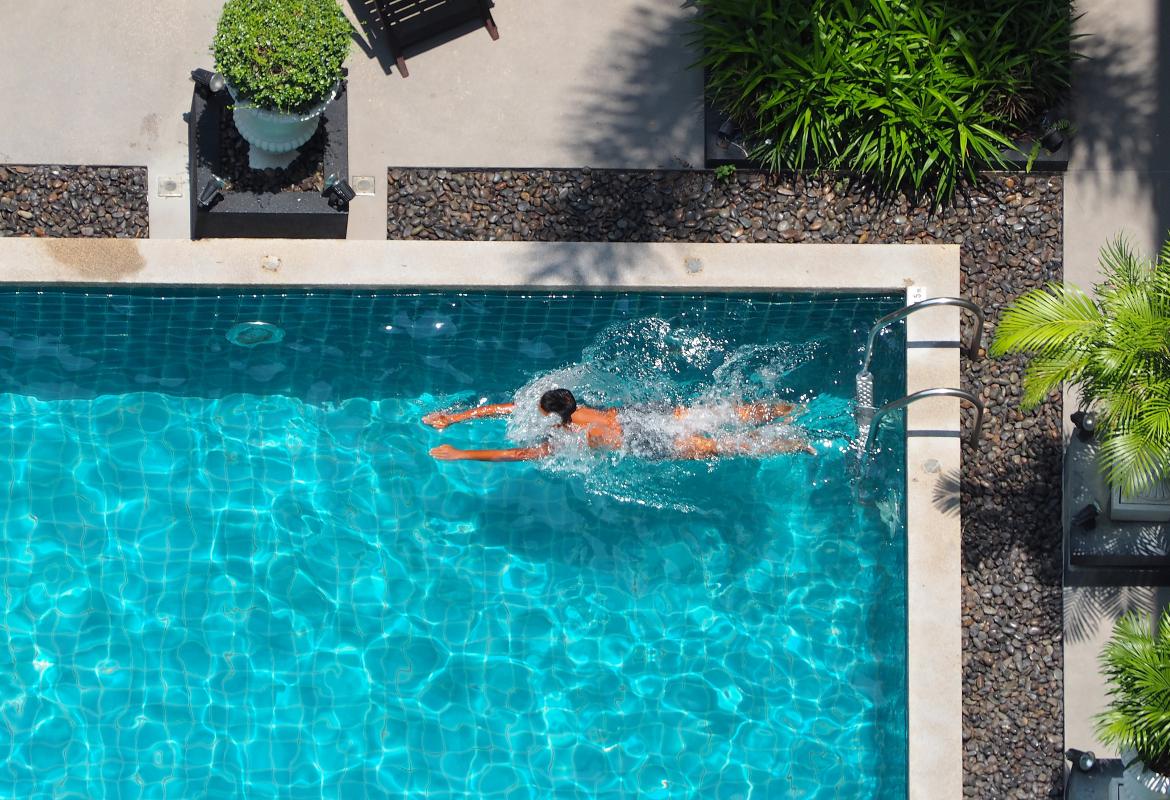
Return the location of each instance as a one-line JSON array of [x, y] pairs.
[[230, 568]]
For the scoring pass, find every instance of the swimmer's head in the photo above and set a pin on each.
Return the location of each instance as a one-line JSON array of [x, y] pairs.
[[560, 402]]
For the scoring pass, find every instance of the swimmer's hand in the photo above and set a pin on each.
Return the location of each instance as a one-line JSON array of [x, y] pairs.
[[437, 420], [446, 452]]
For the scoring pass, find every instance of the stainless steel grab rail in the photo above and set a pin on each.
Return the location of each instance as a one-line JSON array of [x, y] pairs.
[[972, 349], [894, 405]]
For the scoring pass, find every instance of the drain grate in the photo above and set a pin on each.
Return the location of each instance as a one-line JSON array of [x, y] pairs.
[[250, 334]]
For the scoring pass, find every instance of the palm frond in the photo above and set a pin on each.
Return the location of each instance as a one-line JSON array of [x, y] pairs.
[[1136, 665], [1132, 461], [1058, 318], [1117, 348], [1122, 266]]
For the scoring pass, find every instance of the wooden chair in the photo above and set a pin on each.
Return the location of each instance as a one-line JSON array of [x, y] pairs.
[[408, 22]]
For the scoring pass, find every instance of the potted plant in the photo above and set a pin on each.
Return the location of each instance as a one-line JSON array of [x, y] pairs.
[[282, 60], [1136, 664], [1116, 347]]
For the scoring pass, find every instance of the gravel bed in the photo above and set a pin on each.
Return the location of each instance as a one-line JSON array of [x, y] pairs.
[[1010, 229], [304, 174], [73, 201]]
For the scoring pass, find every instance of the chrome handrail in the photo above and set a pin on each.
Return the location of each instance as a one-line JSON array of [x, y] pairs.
[[894, 405], [972, 348]]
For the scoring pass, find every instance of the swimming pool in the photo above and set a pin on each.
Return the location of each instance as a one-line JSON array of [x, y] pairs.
[[234, 570]]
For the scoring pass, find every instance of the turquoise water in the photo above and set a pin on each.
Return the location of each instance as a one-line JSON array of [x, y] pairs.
[[233, 571]]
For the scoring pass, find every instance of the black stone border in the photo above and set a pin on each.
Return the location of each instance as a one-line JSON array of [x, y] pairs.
[[74, 201], [259, 215]]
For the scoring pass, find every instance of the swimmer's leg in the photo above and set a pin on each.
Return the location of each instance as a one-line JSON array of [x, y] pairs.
[[700, 447], [759, 413], [753, 413]]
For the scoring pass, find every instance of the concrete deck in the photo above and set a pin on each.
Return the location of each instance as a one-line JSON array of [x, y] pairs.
[[1118, 182], [601, 84]]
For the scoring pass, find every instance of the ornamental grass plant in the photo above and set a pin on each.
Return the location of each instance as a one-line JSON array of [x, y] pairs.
[[1117, 348], [283, 55], [1136, 664], [909, 93]]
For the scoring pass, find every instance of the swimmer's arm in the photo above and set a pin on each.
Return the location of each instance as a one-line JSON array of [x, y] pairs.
[[448, 453], [441, 419]]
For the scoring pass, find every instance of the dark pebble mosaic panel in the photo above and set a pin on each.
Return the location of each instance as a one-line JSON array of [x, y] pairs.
[[1010, 229], [73, 201]]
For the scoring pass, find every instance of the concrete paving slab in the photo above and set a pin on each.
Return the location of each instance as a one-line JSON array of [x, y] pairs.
[[600, 84], [1119, 175], [603, 84], [104, 83], [1118, 183]]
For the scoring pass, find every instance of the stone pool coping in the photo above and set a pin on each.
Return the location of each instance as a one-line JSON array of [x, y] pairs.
[[922, 271]]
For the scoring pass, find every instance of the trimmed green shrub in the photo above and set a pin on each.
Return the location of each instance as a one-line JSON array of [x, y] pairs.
[[282, 54], [909, 93]]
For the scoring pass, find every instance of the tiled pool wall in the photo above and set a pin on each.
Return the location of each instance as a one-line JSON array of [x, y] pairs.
[[83, 341]]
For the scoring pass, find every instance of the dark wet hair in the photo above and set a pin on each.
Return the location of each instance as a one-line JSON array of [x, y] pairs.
[[560, 402]]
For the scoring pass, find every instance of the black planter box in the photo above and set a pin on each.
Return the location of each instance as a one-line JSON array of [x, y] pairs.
[[260, 215], [719, 150]]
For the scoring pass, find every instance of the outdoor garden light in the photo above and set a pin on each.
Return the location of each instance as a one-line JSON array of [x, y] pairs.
[[210, 191], [1086, 422], [1085, 760], [728, 132], [337, 188], [213, 81]]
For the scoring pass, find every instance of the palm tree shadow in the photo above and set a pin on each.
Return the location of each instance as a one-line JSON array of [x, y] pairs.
[[946, 493], [1126, 102], [652, 118], [1087, 608], [371, 39], [655, 116], [1011, 503]]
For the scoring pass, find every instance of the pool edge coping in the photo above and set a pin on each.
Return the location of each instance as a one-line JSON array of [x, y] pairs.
[[934, 643]]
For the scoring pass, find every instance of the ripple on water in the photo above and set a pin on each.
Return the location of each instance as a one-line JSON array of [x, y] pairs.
[[260, 596]]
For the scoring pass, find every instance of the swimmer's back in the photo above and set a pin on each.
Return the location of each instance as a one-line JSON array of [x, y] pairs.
[[601, 426]]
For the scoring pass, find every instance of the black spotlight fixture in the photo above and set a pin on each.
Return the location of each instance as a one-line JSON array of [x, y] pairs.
[[1084, 760], [338, 189], [212, 81], [1086, 422], [1086, 518], [210, 191], [728, 133]]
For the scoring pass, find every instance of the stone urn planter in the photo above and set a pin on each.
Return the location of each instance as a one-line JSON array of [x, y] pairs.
[[273, 136], [282, 63]]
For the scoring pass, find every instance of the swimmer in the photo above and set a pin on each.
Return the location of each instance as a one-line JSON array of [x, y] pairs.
[[603, 430]]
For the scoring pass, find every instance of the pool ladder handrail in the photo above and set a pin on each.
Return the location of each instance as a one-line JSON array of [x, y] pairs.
[[894, 405], [868, 417], [905, 311]]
